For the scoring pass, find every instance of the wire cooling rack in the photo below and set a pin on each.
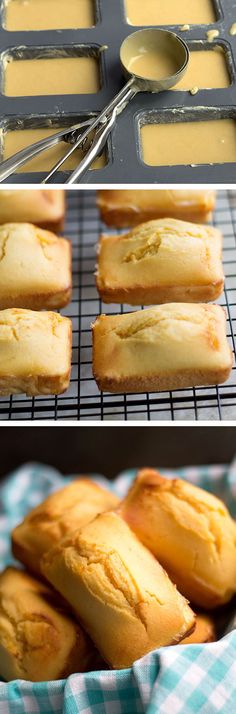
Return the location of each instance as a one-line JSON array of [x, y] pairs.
[[83, 400]]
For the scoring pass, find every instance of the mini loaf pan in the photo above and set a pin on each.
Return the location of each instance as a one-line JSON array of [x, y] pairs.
[[124, 157]]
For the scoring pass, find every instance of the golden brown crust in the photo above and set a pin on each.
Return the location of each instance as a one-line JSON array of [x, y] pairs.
[[172, 346], [44, 301], [161, 261], [205, 631], [44, 207], [120, 593], [35, 268], [154, 294], [122, 208], [165, 383], [39, 639], [37, 346], [59, 515], [191, 533]]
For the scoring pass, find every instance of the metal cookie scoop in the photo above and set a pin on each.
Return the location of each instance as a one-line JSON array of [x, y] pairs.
[[161, 47], [144, 42]]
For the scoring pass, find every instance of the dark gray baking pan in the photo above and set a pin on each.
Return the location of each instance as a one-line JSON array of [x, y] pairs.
[[124, 161]]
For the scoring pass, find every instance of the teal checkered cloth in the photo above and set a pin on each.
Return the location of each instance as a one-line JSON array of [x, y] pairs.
[[170, 680]]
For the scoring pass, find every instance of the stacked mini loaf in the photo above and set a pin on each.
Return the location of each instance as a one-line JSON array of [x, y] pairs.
[[35, 274], [105, 558], [117, 590], [39, 637], [191, 533], [170, 263], [40, 640]]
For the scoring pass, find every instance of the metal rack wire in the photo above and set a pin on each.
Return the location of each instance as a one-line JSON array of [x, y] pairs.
[[83, 401]]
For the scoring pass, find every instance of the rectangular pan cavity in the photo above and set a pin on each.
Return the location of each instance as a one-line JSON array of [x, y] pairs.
[[171, 12], [36, 15], [43, 71], [210, 67], [180, 137], [15, 135]]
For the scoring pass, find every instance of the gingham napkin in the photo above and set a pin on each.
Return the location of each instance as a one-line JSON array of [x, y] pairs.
[[170, 680]]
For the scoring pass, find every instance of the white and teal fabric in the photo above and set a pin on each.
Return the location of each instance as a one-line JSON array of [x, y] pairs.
[[172, 680]]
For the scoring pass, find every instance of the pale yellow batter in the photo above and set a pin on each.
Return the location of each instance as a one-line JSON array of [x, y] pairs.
[[211, 35], [169, 12], [155, 64], [183, 143], [207, 69], [62, 75], [49, 14], [14, 141]]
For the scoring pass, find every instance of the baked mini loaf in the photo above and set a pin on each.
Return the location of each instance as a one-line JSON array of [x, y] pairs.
[[118, 590], [205, 631], [35, 352], [160, 261], [124, 208], [45, 207], [35, 268], [162, 348], [61, 513], [191, 533], [39, 640]]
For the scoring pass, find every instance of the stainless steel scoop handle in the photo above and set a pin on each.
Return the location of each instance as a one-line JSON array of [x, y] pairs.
[[94, 151], [22, 157], [102, 135], [117, 105]]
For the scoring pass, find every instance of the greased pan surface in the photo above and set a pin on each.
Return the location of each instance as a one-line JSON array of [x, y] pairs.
[[124, 161]]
